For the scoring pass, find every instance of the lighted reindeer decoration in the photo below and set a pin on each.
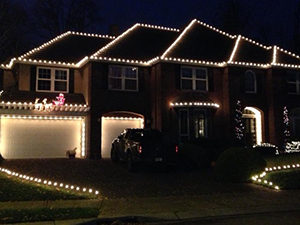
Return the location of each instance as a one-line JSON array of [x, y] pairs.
[[47, 106], [37, 105]]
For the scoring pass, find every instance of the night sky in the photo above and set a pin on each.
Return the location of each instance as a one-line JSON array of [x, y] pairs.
[[276, 14]]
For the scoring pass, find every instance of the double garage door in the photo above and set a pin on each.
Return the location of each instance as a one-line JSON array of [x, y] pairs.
[[39, 138]]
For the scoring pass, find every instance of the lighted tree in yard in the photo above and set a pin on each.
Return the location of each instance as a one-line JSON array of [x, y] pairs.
[[286, 122], [239, 126]]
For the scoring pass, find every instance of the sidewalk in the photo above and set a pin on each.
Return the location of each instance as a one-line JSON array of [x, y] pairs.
[[174, 208]]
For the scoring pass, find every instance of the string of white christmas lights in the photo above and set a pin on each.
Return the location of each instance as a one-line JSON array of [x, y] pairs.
[[49, 182], [259, 178], [182, 104]]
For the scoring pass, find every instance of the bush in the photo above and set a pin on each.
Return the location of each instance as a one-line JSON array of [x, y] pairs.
[[239, 164], [194, 155], [195, 149]]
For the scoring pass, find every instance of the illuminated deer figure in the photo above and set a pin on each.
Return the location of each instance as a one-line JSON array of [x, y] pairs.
[[38, 106], [47, 106]]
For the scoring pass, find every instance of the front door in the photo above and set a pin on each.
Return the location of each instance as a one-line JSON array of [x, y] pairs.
[[250, 131]]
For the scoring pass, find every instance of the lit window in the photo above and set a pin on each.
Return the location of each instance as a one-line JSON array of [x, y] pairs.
[[52, 80], [199, 124], [293, 82], [194, 78], [123, 78], [250, 82]]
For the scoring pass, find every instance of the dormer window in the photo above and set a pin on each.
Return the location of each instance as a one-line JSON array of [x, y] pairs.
[[250, 82], [52, 80], [194, 78]]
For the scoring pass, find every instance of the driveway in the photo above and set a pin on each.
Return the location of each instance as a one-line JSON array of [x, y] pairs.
[[114, 181]]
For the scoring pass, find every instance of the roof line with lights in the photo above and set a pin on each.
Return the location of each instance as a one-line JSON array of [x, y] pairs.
[[23, 58], [194, 104], [33, 106], [179, 38], [97, 54], [235, 48], [163, 58]]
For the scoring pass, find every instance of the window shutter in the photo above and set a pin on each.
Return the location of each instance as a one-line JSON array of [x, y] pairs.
[[141, 79], [178, 78], [242, 83], [210, 80], [1, 79], [33, 78], [71, 81], [259, 83]]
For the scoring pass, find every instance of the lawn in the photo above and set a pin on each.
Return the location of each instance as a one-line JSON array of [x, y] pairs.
[[282, 159], [14, 189], [287, 179], [32, 215]]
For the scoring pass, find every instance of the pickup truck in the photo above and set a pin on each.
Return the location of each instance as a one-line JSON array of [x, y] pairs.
[[142, 146]]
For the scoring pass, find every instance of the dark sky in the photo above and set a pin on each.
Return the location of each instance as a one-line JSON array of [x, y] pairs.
[[277, 15], [177, 13]]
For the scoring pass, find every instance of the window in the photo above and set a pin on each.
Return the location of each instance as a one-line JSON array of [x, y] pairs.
[[250, 82], [194, 78], [52, 80], [293, 82], [199, 124], [123, 78]]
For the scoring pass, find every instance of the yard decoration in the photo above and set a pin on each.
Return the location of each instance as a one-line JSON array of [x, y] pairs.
[[48, 107], [286, 123], [239, 128], [60, 100], [293, 146]]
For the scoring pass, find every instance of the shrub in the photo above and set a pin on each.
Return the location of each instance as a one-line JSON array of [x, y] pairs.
[[194, 155], [239, 164], [196, 148]]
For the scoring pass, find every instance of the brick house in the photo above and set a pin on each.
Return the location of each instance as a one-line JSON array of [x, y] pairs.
[[184, 82]]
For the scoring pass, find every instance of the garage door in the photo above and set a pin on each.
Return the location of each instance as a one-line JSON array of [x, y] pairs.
[[39, 138], [112, 127]]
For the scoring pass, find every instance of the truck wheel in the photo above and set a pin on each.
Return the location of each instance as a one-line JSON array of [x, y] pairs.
[[131, 165], [114, 154]]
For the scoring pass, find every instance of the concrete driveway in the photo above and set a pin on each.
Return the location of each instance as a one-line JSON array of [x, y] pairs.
[[114, 181]]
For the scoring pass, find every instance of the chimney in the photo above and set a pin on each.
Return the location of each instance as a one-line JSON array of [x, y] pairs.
[[113, 30]]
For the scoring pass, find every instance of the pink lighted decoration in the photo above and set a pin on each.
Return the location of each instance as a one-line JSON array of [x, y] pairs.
[[60, 100]]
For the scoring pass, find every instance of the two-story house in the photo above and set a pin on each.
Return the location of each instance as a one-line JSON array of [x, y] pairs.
[[184, 82]]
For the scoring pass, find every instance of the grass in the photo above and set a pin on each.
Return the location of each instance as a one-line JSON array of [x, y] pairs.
[[13, 189], [32, 215], [283, 159], [287, 179]]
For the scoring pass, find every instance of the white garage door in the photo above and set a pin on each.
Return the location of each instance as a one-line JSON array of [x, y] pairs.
[[35, 138], [112, 127]]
